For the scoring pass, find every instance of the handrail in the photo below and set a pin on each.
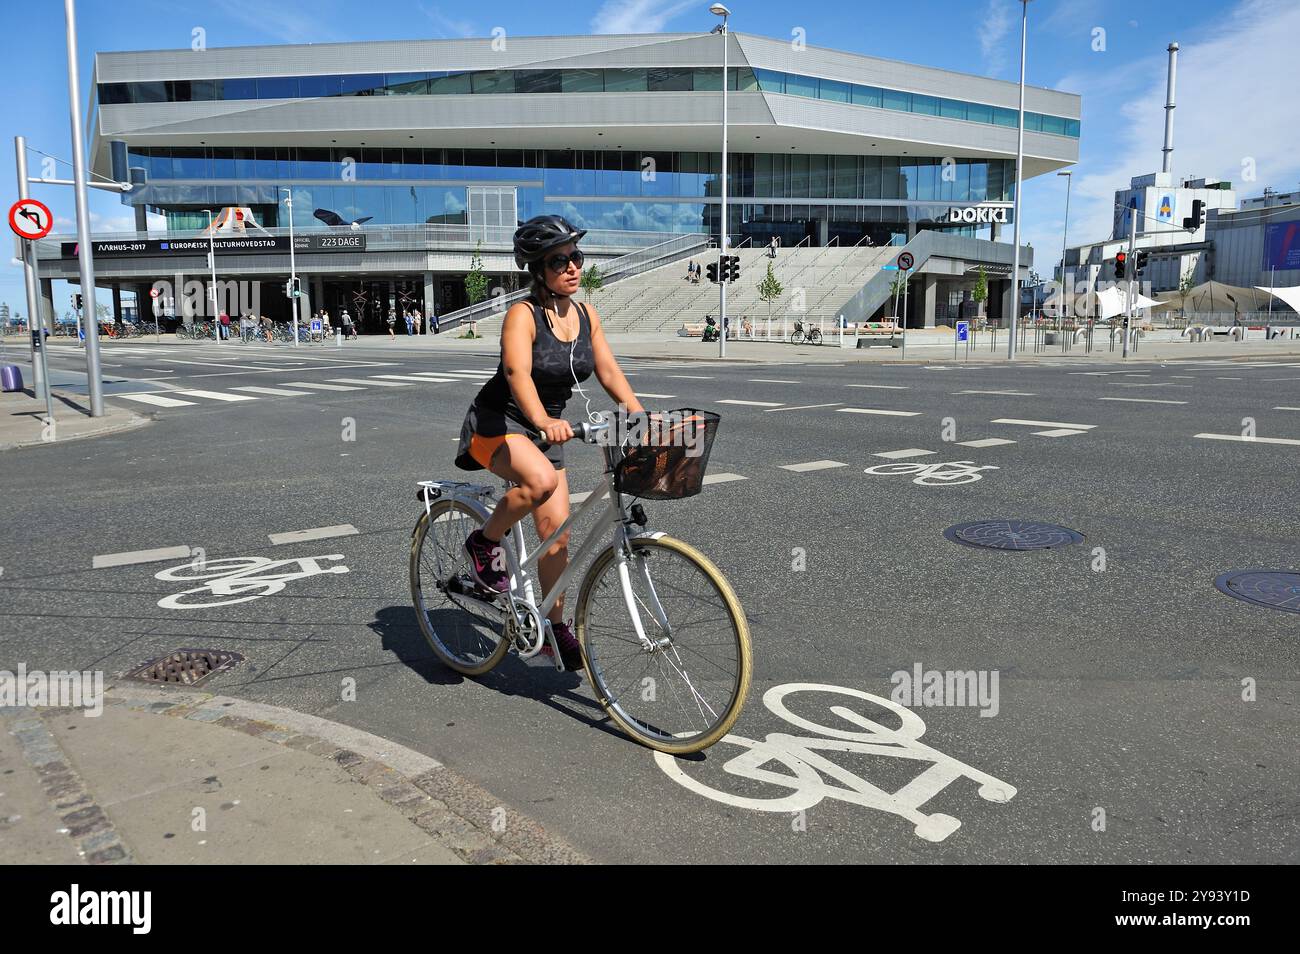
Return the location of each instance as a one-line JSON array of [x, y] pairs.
[[806, 238], [746, 241]]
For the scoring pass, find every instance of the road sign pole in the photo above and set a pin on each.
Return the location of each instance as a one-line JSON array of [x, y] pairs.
[[907, 273], [1128, 262], [35, 320], [93, 373]]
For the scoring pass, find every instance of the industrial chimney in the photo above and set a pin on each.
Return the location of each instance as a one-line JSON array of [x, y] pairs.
[[1168, 149]]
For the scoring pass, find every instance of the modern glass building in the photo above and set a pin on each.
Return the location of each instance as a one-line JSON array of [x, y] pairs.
[[617, 133]]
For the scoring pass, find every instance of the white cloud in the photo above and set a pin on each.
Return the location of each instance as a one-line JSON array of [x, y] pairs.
[[1231, 106], [274, 21], [993, 32], [450, 25], [638, 16]]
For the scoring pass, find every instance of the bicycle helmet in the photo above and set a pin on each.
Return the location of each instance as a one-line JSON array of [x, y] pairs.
[[539, 235]]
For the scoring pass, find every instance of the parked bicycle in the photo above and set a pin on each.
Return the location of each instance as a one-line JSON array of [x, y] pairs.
[[196, 330], [810, 334], [664, 639]]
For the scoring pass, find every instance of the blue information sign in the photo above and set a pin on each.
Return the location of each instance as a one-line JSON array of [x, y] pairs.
[[963, 331], [315, 325]]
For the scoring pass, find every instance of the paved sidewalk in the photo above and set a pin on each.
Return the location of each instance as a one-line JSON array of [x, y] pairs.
[[22, 419], [173, 776]]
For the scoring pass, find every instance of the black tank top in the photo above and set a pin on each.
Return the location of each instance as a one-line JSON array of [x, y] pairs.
[[551, 368]]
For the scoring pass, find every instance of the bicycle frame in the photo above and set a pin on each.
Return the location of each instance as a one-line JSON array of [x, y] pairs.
[[521, 565]]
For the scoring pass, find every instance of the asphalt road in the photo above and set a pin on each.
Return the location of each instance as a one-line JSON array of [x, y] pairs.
[[1120, 690]]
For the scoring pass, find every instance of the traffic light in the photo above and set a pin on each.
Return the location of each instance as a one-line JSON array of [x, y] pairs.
[[712, 272], [297, 288], [1197, 218], [732, 265], [1139, 263], [1120, 259]]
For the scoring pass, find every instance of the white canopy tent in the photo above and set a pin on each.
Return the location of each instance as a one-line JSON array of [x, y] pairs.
[[1289, 295], [1111, 302]]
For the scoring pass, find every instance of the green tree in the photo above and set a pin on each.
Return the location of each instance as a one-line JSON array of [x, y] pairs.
[[769, 290], [592, 281], [1185, 286], [981, 293], [476, 282]]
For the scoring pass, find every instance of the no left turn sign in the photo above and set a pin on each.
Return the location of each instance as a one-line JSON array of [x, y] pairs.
[[30, 219], [905, 261]]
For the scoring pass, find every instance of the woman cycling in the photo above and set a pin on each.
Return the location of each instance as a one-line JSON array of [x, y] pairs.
[[549, 343]]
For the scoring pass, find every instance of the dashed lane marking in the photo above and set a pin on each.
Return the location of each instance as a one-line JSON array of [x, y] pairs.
[[725, 478], [986, 442], [909, 452], [217, 396], [750, 403], [812, 465], [659, 396], [1246, 440], [1286, 408], [138, 556], [1015, 393], [694, 377], [410, 377], [1059, 432], [317, 533], [876, 410], [800, 407], [883, 387], [322, 387], [371, 382], [771, 381], [276, 392], [1014, 420], [155, 399], [1141, 400]]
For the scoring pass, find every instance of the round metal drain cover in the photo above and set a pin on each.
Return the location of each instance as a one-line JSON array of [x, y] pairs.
[[1276, 589], [1012, 535]]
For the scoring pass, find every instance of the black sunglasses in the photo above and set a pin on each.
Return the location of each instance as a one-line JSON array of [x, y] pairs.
[[560, 263]]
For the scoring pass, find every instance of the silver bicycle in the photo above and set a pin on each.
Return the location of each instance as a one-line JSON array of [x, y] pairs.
[[664, 639]]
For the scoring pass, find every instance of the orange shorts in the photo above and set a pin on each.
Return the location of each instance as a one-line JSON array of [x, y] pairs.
[[482, 448]]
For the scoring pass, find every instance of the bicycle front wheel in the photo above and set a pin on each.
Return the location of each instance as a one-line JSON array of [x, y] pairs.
[[685, 692], [796, 338], [461, 625], [815, 337]]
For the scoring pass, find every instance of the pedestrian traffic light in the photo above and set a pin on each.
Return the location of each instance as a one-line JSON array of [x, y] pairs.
[[1139, 263], [1194, 221], [712, 272], [1120, 259], [76, 300], [732, 263], [297, 288]]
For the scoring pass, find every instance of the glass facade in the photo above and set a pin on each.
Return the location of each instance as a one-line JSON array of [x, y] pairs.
[[771, 193], [635, 80]]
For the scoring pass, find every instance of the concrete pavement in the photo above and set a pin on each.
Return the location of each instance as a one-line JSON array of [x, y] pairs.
[[23, 420]]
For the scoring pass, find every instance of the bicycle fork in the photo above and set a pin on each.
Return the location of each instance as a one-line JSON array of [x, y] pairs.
[[655, 606]]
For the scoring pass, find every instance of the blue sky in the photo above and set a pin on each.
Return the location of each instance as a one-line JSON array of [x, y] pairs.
[[1238, 110]]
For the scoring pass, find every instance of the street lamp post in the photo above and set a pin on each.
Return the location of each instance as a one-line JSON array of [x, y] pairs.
[[1065, 243], [293, 269], [212, 264], [719, 10], [1020, 156]]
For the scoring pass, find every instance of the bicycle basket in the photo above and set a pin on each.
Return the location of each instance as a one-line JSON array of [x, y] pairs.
[[670, 460]]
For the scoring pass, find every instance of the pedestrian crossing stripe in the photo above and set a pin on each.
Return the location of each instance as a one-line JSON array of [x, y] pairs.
[[216, 396]]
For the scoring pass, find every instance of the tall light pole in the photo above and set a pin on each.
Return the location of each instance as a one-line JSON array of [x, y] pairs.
[[212, 264], [720, 11], [1020, 157], [1065, 243], [94, 378], [293, 268]]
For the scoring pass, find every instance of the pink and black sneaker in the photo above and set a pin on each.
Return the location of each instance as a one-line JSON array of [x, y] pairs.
[[570, 650], [487, 563]]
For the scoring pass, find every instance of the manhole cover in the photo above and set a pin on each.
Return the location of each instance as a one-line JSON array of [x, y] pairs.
[[1276, 589], [185, 667], [1012, 535]]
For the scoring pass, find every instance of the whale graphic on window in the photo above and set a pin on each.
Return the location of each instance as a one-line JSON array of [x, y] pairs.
[[333, 218]]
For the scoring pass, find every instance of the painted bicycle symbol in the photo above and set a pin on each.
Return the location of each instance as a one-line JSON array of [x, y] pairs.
[[934, 475], [239, 579], [806, 768]]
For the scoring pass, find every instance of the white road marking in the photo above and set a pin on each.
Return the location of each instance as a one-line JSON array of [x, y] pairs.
[[487, 371], [138, 556], [161, 370], [750, 403], [986, 442], [217, 396], [883, 387], [1227, 379], [154, 399], [409, 377], [1156, 384], [1141, 400], [318, 533], [1238, 437], [909, 452], [279, 392], [771, 381], [661, 396], [1013, 420], [1016, 393], [322, 387], [800, 407], [371, 382], [1286, 408], [873, 410], [722, 478], [695, 377], [812, 465], [1059, 432]]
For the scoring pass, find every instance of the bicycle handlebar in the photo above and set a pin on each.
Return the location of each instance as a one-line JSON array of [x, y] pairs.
[[584, 431]]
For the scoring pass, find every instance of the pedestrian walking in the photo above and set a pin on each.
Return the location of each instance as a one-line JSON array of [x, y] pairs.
[[406, 314], [346, 320], [223, 326], [392, 323], [771, 247], [268, 329], [434, 318]]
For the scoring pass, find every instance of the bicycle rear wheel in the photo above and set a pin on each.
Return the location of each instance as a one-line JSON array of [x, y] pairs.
[[687, 692], [464, 629], [815, 336]]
